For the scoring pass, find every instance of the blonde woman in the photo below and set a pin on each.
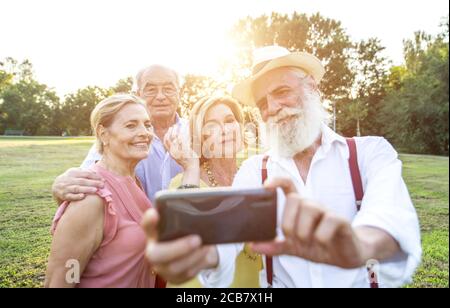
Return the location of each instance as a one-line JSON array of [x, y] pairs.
[[210, 160], [93, 235]]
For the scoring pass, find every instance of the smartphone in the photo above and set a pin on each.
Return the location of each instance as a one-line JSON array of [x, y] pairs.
[[218, 215]]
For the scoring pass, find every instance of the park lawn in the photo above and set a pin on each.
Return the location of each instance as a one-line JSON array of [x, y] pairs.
[[29, 165], [27, 170], [427, 178]]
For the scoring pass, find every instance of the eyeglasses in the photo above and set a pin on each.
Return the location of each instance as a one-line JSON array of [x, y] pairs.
[[152, 91]]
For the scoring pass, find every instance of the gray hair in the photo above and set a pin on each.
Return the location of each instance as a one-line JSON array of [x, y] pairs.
[[298, 71], [138, 79], [302, 74]]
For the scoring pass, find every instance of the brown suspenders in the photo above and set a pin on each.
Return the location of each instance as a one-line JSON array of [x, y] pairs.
[[269, 261]]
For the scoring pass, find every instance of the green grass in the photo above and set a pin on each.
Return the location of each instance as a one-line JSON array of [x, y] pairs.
[[427, 180], [28, 167]]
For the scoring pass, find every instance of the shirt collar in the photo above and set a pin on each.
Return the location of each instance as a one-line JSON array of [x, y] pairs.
[[329, 137]]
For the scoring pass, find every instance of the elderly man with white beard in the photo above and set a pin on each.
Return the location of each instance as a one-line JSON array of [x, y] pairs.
[[345, 217]]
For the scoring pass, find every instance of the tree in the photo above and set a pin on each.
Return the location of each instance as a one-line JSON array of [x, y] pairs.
[[360, 112], [5, 78], [416, 109], [77, 109], [28, 105], [25, 104], [123, 86], [5, 81]]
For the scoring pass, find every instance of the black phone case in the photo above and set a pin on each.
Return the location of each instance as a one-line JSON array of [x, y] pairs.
[[218, 215]]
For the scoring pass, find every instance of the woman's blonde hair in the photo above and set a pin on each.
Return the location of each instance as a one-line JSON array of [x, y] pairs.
[[103, 114], [198, 114]]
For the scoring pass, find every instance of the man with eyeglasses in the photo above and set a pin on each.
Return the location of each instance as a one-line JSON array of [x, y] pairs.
[[159, 86]]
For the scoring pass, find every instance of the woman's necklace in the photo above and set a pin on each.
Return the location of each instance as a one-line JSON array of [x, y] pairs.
[[211, 178], [252, 256]]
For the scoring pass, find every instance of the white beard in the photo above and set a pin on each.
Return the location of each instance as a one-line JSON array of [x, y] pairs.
[[296, 134]]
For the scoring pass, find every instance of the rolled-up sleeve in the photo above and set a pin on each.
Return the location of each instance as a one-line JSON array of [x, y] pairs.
[[387, 205]]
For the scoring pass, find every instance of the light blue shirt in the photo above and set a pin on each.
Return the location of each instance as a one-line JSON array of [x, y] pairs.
[[156, 171]]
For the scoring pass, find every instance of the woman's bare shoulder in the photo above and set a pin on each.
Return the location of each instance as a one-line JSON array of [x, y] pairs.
[[88, 209]]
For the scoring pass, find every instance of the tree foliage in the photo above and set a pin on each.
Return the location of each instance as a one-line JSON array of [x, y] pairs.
[[415, 110], [25, 104]]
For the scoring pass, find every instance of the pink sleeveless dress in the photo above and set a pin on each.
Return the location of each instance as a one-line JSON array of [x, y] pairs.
[[119, 262]]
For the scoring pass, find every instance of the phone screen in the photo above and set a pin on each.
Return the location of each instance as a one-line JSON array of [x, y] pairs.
[[218, 215]]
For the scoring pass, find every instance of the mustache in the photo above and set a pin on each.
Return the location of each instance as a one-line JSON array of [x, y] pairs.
[[286, 113]]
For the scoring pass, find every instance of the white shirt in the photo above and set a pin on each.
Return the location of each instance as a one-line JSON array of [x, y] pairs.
[[386, 205]]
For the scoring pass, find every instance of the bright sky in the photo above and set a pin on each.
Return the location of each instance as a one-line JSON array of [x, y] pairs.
[[75, 43]]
